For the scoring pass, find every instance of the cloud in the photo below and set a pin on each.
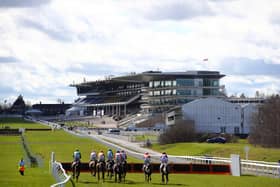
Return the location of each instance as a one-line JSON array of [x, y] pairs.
[[22, 3], [245, 66], [68, 40], [177, 10], [8, 59], [56, 33]]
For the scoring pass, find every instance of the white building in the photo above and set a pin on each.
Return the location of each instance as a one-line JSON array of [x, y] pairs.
[[248, 111], [213, 115]]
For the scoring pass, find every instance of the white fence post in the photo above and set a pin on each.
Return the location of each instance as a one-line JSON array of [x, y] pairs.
[[58, 172], [235, 165]]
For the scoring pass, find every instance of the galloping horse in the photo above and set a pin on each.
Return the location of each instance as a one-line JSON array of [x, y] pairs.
[[92, 167], [164, 172], [100, 168], [148, 172], [110, 168], [120, 171], [76, 166], [124, 166]]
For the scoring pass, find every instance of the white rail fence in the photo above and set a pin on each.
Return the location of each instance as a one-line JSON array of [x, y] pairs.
[[251, 167], [59, 173]]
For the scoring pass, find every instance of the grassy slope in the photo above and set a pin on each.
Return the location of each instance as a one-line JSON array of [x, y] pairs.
[[19, 123], [220, 150]]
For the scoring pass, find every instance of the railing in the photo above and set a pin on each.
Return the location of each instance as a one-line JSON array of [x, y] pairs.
[[252, 167], [59, 173]]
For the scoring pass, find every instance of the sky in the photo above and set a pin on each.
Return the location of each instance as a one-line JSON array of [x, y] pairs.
[[46, 45]]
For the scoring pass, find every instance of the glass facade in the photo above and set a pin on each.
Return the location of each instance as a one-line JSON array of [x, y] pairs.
[[185, 82], [210, 82]]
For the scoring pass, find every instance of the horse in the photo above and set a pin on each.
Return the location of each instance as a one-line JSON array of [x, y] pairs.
[[100, 168], [164, 173], [120, 171], [92, 167], [76, 167], [123, 170], [110, 168], [148, 172]]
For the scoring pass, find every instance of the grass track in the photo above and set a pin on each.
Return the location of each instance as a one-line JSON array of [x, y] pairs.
[[220, 150], [63, 144]]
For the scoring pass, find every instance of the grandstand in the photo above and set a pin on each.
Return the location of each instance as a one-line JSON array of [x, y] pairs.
[[148, 92]]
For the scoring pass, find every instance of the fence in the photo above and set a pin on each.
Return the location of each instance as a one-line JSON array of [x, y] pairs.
[[59, 173], [252, 167]]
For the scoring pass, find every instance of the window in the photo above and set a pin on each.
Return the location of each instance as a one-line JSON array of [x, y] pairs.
[[168, 92], [185, 82], [156, 84], [184, 92], [223, 129], [156, 93], [236, 130], [168, 83]]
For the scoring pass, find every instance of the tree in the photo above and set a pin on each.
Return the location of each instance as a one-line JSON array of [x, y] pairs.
[[266, 128], [182, 131]]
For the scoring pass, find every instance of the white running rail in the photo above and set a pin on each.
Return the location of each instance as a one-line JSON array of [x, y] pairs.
[[252, 167], [58, 173]]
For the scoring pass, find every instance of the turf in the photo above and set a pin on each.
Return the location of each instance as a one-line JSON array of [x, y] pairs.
[[15, 123], [42, 143], [220, 150]]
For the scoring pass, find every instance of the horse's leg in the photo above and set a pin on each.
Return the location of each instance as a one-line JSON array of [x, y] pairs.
[[98, 176], [115, 176], [103, 173]]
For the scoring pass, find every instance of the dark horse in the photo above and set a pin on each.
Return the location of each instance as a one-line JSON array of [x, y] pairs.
[[110, 168], [120, 171], [148, 172], [100, 168], [92, 167], [76, 166], [164, 173]]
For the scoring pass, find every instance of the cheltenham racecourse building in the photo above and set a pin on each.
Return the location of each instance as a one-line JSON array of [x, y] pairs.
[[149, 92]]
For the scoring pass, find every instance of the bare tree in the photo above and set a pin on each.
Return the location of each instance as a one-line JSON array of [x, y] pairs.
[[182, 131], [266, 129]]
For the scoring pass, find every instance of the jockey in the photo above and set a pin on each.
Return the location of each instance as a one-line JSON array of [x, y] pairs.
[[123, 156], [110, 155], [118, 157], [163, 160], [101, 157], [93, 156], [147, 159], [21, 166], [77, 156]]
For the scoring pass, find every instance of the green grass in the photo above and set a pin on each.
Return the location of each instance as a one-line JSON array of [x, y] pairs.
[[184, 180], [63, 144], [220, 150], [141, 138], [15, 123], [11, 153]]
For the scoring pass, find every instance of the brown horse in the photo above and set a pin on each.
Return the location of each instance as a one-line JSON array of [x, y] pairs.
[[76, 167], [92, 167], [148, 172], [164, 173], [110, 168], [100, 168], [120, 171]]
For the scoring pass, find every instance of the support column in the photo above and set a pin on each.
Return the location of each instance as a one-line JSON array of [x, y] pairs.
[[124, 110]]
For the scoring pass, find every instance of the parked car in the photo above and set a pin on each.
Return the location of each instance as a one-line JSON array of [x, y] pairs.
[[216, 140]]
